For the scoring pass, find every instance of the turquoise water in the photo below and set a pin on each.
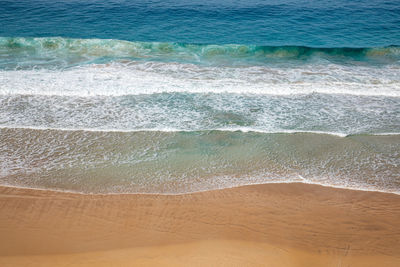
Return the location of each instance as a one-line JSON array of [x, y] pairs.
[[179, 96], [57, 52], [338, 23]]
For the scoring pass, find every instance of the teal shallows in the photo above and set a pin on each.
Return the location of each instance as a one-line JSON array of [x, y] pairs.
[[180, 162]]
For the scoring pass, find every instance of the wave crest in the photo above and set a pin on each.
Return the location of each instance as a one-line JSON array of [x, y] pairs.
[[74, 51]]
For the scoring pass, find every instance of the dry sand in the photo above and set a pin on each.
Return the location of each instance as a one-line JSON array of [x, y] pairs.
[[258, 225]]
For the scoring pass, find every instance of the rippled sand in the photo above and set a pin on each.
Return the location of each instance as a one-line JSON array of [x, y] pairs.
[[274, 225]]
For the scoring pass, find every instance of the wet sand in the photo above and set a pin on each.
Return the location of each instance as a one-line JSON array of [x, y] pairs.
[[259, 225]]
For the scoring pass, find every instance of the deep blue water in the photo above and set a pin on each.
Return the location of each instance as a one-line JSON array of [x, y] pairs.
[[338, 23]]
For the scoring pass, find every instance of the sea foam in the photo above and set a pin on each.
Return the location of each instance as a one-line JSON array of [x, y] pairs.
[[133, 78]]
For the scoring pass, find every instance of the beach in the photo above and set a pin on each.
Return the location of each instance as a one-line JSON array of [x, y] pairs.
[[291, 224], [200, 133]]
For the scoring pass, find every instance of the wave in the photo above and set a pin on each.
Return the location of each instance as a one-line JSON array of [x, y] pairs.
[[135, 78], [95, 67], [30, 52]]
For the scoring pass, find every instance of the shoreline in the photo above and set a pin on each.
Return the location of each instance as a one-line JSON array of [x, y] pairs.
[[196, 192], [301, 223], [173, 130]]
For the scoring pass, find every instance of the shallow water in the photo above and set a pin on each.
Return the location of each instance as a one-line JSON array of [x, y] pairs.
[[179, 162]]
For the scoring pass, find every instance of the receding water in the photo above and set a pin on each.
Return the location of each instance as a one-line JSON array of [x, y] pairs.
[[179, 162]]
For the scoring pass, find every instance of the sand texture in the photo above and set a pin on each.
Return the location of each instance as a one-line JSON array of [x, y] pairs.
[[259, 225]]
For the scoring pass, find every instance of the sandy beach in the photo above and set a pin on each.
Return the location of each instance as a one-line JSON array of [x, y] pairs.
[[199, 133], [258, 225]]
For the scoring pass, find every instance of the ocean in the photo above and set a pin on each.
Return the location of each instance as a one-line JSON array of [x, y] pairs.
[[179, 96]]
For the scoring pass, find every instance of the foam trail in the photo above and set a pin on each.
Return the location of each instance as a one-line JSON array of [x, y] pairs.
[[172, 130], [135, 78], [320, 113]]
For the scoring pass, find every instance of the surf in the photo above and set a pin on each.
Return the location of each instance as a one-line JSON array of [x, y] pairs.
[[149, 77], [43, 51], [183, 111]]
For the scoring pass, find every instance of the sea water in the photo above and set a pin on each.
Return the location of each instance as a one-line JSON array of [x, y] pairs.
[[184, 96]]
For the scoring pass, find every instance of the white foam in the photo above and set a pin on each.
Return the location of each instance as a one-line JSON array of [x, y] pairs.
[[135, 78], [338, 114], [172, 130]]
